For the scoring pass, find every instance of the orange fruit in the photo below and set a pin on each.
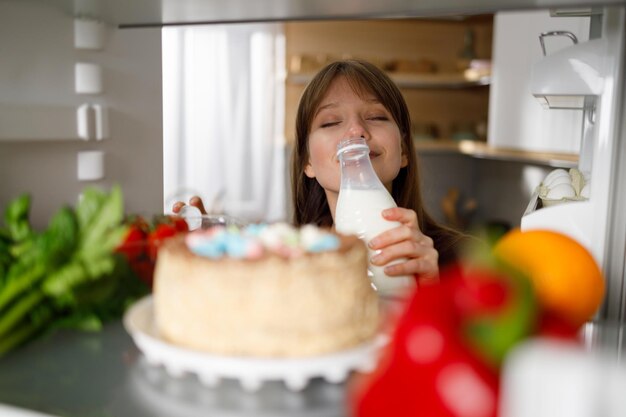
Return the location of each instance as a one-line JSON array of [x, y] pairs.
[[566, 279]]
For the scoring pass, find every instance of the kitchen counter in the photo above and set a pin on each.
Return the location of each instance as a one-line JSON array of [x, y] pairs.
[[103, 374]]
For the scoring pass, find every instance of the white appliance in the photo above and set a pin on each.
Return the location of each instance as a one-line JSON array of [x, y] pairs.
[[586, 77]]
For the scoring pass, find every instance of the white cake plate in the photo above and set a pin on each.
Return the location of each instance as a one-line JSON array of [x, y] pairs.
[[251, 372]]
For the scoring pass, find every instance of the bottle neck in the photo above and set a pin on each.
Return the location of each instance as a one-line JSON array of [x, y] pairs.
[[357, 171]]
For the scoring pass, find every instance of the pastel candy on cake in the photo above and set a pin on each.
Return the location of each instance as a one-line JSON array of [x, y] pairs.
[[253, 240], [324, 243]]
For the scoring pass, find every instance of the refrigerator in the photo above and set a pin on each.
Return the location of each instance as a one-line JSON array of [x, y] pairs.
[[598, 223]]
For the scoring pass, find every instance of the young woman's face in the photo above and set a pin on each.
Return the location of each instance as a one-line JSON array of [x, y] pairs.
[[343, 114]]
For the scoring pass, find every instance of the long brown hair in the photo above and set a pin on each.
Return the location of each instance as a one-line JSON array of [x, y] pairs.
[[309, 198]]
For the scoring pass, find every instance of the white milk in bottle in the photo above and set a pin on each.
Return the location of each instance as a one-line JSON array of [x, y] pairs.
[[362, 198]]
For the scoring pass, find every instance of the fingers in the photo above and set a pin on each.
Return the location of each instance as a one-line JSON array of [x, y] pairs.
[[405, 216], [413, 251], [177, 206], [193, 201], [408, 230], [197, 202], [420, 258], [426, 269], [397, 235]]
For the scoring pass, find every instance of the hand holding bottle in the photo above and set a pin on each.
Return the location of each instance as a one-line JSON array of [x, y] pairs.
[[407, 243]]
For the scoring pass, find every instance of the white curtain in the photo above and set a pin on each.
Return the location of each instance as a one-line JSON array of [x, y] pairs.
[[223, 118]]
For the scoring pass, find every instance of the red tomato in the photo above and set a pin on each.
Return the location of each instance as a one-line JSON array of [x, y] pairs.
[[140, 222], [134, 243], [179, 223], [157, 236], [144, 269]]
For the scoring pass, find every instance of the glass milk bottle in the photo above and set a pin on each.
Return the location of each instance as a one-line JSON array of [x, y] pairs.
[[362, 198]]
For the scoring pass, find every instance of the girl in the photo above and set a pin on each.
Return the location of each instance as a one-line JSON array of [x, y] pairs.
[[354, 98]]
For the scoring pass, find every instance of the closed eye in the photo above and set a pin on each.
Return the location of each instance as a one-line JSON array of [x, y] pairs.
[[329, 124], [381, 117]]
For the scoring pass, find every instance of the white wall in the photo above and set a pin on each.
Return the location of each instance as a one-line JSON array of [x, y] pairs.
[[37, 68]]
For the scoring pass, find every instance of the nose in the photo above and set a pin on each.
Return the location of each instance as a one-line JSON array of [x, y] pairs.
[[357, 129]]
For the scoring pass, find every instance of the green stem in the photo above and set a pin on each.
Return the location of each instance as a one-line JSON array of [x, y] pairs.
[[16, 285], [17, 312], [20, 335]]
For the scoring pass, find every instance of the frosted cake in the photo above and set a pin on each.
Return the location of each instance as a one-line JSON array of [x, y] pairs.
[[265, 291]]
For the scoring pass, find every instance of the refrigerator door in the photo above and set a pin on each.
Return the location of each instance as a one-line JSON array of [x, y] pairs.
[[593, 222]]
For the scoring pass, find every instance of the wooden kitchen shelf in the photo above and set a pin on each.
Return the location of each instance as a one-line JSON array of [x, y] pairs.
[[482, 150], [411, 80]]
